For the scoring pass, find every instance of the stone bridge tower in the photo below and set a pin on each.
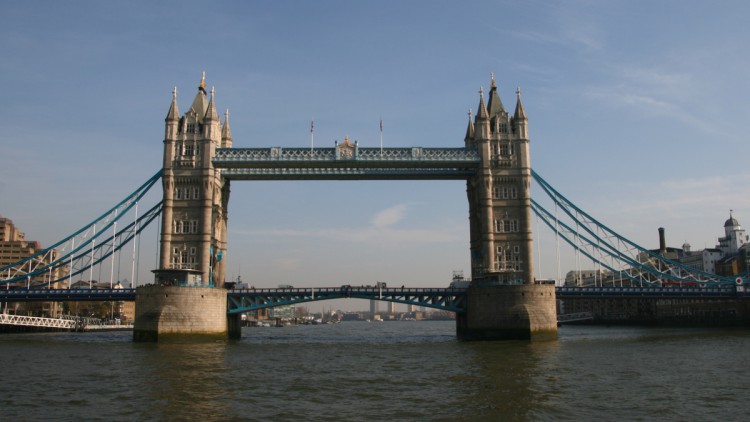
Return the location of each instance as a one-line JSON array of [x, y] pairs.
[[503, 300], [193, 231], [499, 195], [194, 217]]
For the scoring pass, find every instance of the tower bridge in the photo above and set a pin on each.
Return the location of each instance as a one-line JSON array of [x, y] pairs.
[[200, 162], [503, 300]]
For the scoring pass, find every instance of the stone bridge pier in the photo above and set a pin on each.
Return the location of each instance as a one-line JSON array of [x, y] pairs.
[[508, 312]]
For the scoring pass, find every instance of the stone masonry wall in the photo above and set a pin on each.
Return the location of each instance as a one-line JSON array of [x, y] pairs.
[[509, 312], [164, 312]]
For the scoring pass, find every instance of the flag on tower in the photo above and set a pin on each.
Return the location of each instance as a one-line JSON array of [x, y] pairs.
[[312, 125]]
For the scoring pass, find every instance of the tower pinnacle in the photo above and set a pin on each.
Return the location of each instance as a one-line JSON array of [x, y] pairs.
[[469, 129], [211, 113], [173, 114], [520, 112], [481, 109], [226, 132], [202, 86]]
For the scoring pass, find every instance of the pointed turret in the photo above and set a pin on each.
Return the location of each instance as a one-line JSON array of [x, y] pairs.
[[519, 118], [481, 122], [226, 132], [469, 138], [481, 110], [174, 113], [520, 113], [171, 128], [495, 108], [211, 121], [211, 113]]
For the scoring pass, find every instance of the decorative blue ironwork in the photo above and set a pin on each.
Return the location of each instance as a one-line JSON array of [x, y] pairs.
[[448, 299], [627, 261], [88, 246]]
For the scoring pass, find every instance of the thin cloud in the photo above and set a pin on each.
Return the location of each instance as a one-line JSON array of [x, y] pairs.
[[389, 216], [652, 104], [567, 29], [674, 198]]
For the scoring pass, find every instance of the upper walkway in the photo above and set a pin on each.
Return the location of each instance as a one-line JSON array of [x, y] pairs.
[[346, 162]]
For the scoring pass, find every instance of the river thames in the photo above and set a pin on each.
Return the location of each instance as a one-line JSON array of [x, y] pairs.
[[391, 371]]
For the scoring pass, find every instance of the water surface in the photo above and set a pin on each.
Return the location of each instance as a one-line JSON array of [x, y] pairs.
[[379, 371]]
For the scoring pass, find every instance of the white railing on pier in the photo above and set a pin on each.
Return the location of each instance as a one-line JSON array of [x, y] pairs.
[[30, 321], [64, 323]]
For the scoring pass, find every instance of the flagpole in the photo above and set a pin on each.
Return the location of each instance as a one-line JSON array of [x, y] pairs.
[[381, 136], [312, 126]]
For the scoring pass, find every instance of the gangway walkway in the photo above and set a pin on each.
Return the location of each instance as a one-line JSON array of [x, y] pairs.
[[64, 323], [30, 321]]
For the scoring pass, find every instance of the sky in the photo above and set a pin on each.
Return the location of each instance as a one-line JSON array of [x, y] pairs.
[[637, 113]]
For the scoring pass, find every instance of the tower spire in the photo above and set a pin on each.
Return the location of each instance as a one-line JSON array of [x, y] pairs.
[[173, 114], [495, 107], [481, 110], [520, 122], [469, 129], [211, 113], [226, 132], [520, 112]]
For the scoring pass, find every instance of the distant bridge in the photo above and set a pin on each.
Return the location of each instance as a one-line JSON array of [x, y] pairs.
[[447, 299]]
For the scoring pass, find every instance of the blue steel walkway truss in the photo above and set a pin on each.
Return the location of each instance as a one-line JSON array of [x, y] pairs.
[[347, 162]]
